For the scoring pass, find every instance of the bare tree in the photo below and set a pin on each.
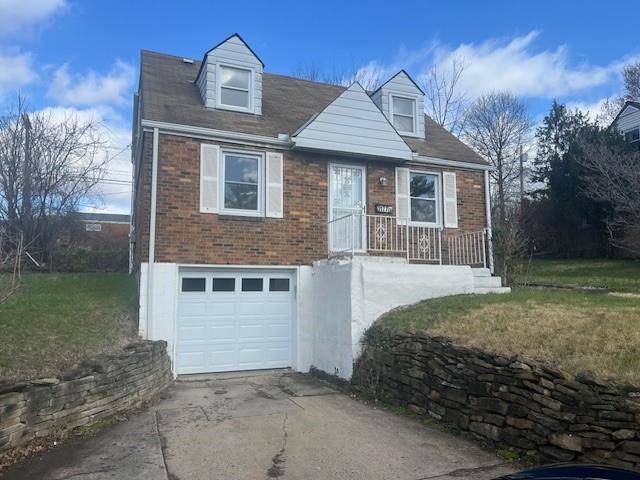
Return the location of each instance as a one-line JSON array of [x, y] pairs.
[[370, 76], [631, 79], [47, 166], [496, 125], [444, 102], [613, 177]]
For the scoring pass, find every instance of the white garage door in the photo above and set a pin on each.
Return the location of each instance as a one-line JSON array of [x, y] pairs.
[[234, 320]]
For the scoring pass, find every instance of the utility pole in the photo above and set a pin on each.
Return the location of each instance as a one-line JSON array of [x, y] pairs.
[[26, 181]]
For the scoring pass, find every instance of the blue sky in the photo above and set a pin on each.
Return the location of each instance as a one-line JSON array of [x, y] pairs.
[[81, 57]]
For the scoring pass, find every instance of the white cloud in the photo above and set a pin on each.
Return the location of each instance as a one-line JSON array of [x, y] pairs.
[[16, 71], [515, 65], [92, 89], [18, 15], [114, 194]]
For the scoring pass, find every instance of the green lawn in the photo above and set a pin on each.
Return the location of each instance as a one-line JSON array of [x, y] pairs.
[[617, 275], [576, 331], [56, 320]]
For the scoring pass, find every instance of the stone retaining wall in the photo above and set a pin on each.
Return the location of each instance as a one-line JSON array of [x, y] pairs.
[[512, 402], [99, 388]]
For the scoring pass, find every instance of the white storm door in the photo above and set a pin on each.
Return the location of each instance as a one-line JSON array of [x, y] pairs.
[[347, 207]]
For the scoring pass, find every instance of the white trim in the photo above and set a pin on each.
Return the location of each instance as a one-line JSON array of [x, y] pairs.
[[629, 130], [214, 134], [393, 95], [222, 210], [362, 167], [105, 221], [152, 231], [452, 163], [215, 149], [250, 91], [438, 199]]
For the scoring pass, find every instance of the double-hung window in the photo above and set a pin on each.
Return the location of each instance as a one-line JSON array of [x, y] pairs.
[[234, 88], [403, 114], [632, 135], [424, 198], [243, 183]]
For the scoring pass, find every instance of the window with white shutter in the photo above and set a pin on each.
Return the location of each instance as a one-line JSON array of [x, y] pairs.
[[450, 200], [402, 193], [209, 177], [275, 186]]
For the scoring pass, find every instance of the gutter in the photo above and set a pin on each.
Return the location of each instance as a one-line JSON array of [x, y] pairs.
[[487, 206], [214, 134], [452, 163]]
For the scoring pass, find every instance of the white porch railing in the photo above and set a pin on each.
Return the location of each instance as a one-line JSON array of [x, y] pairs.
[[384, 234], [468, 248]]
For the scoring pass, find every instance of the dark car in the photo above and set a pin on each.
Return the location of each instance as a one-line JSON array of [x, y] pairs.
[[574, 472]]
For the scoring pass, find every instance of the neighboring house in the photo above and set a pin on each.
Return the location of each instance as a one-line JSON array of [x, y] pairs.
[[628, 122], [98, 231], [276, 218]]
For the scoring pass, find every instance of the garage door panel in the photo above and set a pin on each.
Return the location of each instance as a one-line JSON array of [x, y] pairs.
[[220, 331]]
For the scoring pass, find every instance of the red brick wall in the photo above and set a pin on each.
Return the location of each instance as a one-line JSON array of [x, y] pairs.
[[184, 235]]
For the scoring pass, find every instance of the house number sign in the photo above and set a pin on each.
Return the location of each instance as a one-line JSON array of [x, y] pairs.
[[381, 208]]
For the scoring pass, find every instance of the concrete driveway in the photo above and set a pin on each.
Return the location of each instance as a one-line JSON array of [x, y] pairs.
[[262, 426]]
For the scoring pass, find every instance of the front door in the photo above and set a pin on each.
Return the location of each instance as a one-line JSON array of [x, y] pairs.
[[347, 198]]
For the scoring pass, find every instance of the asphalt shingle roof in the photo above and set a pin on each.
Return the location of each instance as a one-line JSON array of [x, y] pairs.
[[169, 94]]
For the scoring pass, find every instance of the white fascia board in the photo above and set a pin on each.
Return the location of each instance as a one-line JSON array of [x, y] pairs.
[[214, 134], [452, 163]]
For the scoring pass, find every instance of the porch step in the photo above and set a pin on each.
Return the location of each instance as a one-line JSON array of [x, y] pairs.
[[487, 282], [483, 290], [481, 272]]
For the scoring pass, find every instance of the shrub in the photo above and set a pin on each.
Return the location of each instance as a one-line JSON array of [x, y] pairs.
[[78, 260]]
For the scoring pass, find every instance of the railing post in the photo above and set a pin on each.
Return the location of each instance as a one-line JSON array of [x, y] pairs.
[[353, 234], [484, 250], [440, 245], [406, 236]]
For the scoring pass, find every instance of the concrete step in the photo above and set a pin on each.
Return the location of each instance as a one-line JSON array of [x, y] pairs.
[[483, 290], [487, 282], [481, 272]]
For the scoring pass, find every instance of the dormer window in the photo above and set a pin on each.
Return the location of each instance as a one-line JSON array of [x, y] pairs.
[[234, 88], [403, 113]]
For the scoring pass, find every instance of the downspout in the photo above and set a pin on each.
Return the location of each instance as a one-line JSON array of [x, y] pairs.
[[487, 206], [152, 232]]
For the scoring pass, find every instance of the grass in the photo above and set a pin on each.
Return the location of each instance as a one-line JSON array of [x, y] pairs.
[[616, 275], [576, 331], [57, 320]]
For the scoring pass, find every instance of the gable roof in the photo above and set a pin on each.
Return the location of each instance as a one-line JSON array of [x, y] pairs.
[[403, 71], [103, 217], [170, 95], [236, 35], [628, 103], [356, 124]]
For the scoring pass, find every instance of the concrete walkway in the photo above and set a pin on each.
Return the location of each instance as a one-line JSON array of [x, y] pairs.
[[262, 426]]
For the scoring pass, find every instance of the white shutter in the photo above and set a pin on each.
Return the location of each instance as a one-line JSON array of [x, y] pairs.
[[450, 200], [209, 177], [274, 185], [402, 193]]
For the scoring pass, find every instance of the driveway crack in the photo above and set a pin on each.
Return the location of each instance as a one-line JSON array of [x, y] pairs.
[[163, 446], [277, 462]]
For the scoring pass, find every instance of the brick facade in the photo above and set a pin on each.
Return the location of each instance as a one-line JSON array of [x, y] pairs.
[[184, 235]]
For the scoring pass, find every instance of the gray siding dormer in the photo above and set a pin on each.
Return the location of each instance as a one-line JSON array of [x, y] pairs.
[[628, 118], [401, 86], [234, 55], [352, 124]]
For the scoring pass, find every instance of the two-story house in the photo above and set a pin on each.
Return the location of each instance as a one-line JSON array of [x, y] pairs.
[[274, 218]]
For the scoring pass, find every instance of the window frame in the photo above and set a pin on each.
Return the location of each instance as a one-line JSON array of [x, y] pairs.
[[223, 210], [437, 198], [414, 117], [632, 130], [219, 87]]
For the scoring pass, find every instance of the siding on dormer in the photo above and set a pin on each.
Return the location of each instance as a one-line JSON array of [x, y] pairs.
[[401, 85], [232, 52], [353, 124]]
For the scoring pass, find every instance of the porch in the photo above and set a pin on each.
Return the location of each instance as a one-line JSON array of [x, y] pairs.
[[386, 235]]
